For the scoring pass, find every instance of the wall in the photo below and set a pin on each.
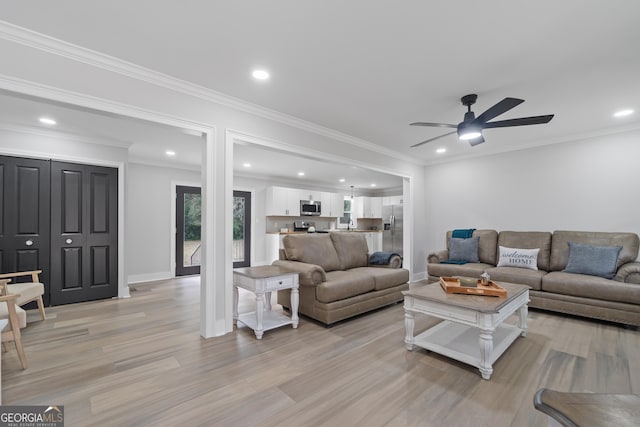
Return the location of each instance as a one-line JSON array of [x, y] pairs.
[[150, 219], [591, 184], [73, 75]]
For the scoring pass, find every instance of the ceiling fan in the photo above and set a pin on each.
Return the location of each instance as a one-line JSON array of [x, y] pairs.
[[470, 129]]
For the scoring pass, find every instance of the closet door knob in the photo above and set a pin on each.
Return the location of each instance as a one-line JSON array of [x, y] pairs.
[[29, 242], [68, 241]]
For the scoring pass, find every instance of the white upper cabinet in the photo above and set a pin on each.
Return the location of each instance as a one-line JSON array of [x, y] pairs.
[[332, 204], [391, 200], [282, 201], [369, 207]]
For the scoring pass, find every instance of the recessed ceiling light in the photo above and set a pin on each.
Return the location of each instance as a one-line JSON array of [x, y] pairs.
[[170, 153], [342, 180], [623, 113], [260, 74], [47, 121], [373, 185], [246, 165], [300, 173], [441, 150]]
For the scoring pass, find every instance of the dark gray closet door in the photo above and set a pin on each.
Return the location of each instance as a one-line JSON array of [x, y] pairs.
[[24, 217], [84, 233]]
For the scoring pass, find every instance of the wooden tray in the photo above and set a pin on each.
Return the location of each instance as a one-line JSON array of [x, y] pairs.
[[452, 285]]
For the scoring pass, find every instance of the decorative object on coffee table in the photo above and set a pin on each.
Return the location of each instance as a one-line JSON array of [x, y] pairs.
[[470, 286]]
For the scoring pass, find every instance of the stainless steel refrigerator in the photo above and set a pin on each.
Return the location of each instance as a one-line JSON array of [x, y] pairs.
[[392, 228]]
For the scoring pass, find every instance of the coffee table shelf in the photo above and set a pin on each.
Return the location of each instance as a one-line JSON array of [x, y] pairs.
[[460, 342]]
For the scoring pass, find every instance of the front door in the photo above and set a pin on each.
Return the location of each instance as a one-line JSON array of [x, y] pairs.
[[24, 217], [188, 247], [84, 232]]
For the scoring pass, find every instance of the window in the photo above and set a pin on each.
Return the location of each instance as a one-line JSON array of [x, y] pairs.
[[345, 219]]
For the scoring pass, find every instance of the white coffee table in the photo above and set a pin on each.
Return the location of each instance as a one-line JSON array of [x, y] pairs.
[[263, 280], [473, 331]]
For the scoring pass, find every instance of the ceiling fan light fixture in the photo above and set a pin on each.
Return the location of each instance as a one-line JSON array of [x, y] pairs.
[[467, 131]]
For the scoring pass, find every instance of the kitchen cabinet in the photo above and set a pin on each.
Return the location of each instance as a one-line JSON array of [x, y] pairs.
[[281, 201], [332, 204], [369, 207], [391, 200]]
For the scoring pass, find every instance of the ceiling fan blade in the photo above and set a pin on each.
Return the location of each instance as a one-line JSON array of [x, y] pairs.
[[432, 139], [499, 108], [439, 125], [522, 121], [476, 141]]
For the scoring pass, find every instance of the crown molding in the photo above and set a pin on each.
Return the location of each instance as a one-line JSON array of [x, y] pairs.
[[67, 136], [96, 59]]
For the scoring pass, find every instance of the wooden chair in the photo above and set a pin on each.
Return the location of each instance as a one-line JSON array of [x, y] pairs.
[[17, 319], [26, 291]]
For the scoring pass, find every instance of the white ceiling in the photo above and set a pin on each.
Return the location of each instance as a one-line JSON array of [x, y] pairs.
[[368, 68]]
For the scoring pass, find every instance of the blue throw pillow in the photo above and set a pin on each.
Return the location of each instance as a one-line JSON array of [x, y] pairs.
[[599, 261], [463, 249]]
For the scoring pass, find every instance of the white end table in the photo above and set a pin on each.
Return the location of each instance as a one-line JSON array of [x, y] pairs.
[[263, 280]]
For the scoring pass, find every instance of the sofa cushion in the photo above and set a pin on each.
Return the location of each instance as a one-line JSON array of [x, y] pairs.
[[529, 240], [315, 249], [351, 248], [523, 276], [487, 245], [385, 278], [463, 249], [560, 245], [593, 260], [344, 284], [516, 257], [593, 287], [467, 270]]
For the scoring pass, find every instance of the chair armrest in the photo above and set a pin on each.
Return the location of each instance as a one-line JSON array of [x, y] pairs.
[[9, 298], [437, 257], [629, 273], [310, 274], [33, 273]]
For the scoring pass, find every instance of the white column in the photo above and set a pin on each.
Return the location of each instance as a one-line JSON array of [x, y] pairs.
[[216, 271]]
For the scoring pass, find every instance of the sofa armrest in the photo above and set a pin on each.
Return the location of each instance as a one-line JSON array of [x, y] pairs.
[[310, 274], [437, 257], [629, 273]]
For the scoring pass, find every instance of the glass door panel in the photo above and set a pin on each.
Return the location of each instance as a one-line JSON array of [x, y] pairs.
[[241, 229], [188, 225]]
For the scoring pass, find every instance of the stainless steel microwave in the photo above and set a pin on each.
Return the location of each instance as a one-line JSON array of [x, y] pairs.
[[310, 207]]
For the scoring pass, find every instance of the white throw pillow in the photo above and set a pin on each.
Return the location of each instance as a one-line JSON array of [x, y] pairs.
[[523, 258]]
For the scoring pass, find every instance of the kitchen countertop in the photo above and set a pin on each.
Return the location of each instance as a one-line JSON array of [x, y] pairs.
[[333, 231]]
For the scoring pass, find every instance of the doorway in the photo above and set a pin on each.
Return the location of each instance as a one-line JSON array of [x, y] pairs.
[[241, 229], [188, 225]]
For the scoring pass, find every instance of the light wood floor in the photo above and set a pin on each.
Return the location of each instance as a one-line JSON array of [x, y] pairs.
[[141, 361]]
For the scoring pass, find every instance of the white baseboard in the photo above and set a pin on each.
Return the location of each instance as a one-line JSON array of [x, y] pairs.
[[149, 277]]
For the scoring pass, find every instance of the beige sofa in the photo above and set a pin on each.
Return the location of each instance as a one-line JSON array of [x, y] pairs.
[[336, 279], [616, 299]]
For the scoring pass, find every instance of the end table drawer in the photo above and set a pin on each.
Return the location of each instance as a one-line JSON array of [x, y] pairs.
[[281, 282]]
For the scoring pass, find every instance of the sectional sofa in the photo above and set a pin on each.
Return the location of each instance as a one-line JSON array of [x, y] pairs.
[[337, 280], [592, 274]]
